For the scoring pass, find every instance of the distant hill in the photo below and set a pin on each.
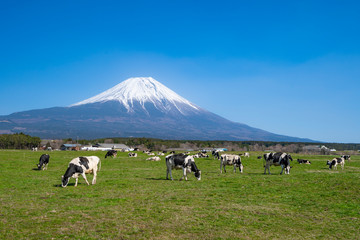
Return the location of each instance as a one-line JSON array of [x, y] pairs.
[[137, 107]]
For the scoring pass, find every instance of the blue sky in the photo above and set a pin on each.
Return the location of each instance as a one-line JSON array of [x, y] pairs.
[[288, 67]]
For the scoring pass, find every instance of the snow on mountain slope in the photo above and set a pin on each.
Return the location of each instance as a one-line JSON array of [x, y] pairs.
[[143, 90]]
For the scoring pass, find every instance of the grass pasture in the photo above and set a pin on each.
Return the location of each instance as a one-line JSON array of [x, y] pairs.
[[132, 200]]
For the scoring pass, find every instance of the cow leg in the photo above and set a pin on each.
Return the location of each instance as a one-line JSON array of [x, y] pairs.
[[282, 169], [83, 174], [241, 168], [221, 165], [76, 182], [94, 178], [171, 174], [184, 174], [167, 173], [234, 168]]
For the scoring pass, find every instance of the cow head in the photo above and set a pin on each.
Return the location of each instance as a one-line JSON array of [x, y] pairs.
[[39, 166], [198, 175], [64, 181]]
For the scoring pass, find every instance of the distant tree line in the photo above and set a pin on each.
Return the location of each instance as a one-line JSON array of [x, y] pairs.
[[18, 141], [160, 144], [22, 141]]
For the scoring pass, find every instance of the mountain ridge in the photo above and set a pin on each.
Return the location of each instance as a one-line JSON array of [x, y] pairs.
[[159, 114]]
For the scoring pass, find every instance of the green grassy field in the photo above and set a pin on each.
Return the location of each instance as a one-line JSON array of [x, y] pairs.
[[133, 200]]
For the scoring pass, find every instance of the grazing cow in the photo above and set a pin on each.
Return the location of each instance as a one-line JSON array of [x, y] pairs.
[[216, 154], [111, 153], [184, 162], [132, 154], [230, 159], [246, 154], [346, 157], [43, 161], [80, 166], [278, 159], [335, 162], [303, 161], [156, 158]]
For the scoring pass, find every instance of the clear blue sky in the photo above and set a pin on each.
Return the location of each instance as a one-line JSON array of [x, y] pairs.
[[288, 67]]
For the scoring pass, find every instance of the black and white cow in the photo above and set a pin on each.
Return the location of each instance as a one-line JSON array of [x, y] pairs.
[[346, 157], [181, 161], [111, 153], [201, 155], [216, 154], [132, 154], [43, 161], [305, 161], [230, 159], [278, 159], [80, 166], [335, 162]]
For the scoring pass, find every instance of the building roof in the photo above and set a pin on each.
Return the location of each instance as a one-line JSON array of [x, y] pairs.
[[71, 145], [112, 145]]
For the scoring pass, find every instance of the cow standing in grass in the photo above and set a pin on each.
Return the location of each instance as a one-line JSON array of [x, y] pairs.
[[335, 162], [43, 161], [230, 159], [80, 166], [181, 161], [111, 153], [277, 159]]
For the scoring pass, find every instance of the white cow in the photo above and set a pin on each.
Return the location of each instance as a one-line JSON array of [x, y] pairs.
[[80, 166], [156, 158], [230, 159]]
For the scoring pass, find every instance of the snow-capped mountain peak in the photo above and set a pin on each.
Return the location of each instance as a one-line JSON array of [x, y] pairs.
[[143, 90]]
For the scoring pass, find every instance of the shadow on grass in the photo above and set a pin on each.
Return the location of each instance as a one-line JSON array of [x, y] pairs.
[[70, 184], [157, 179], [261, 173], [36, 169]]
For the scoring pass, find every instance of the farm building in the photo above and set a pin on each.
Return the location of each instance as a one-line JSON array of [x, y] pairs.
[[70, 147], [119, 147]]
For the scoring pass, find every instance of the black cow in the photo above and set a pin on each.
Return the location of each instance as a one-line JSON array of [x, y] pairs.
[[346, 157], [184, 162], [111, 153], [43, 161]]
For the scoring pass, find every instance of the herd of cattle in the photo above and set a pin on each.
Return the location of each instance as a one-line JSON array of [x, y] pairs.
[[184, 161]]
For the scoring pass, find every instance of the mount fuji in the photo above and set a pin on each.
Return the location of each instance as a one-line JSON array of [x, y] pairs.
[[136, 107]]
